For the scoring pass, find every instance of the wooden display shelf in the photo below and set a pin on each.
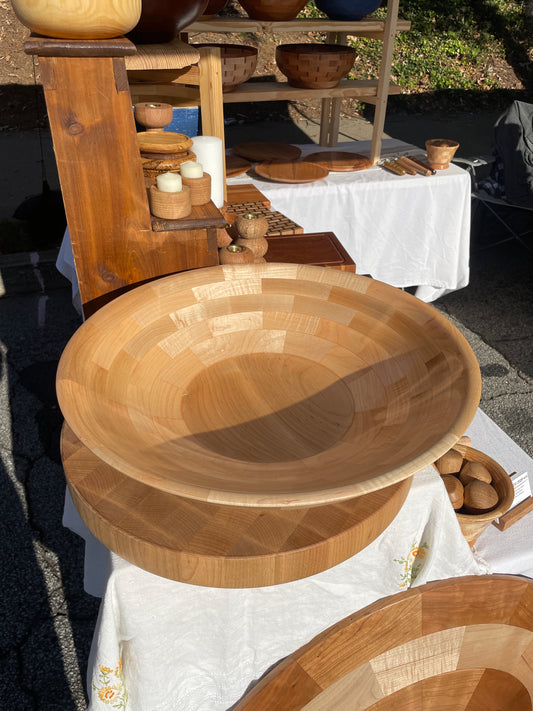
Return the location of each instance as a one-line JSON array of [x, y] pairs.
[[368, 27]]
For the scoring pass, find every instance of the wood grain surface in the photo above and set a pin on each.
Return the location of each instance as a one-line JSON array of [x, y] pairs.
[[291, 171], [340, 161], [464, 644], [219, 546], [258, 151], [268, 384], [235, 165]]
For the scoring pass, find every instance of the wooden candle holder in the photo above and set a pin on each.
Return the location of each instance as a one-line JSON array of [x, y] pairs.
[[235, 254], [170, 206], [200, 189]]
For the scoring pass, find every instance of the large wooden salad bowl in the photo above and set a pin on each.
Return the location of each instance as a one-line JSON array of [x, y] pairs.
[[268, 385]]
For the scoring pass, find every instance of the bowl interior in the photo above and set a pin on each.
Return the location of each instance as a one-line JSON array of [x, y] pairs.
[[268, 384]]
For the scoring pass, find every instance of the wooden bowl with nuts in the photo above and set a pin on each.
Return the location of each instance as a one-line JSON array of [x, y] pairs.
[[480, 490]]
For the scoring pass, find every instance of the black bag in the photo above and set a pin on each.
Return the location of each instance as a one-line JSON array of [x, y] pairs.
[[513, 142]]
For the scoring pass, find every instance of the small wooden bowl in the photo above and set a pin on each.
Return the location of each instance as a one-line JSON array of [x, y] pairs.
[[170, 206], [153, 115], [440, 152], [269, 384], [473, 525], [314, 66], [238, 63]]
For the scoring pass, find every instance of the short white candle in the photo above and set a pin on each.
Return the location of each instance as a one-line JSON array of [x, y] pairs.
[[190, 169], [169, 183]]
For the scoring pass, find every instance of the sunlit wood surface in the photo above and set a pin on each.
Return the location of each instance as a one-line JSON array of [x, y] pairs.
[[464, 644], [268, 384]]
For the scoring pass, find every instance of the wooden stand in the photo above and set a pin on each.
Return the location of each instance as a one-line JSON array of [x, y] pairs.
[[99, 164], [514, 515]]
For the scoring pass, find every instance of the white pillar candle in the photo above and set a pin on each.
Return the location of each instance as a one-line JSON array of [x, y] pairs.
[[169, 183], [208, 151], [190, 169]]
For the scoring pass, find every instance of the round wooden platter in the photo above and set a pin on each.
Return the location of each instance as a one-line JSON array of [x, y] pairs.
[[259, 151], [219, 546], [268, 384], [291, 171], [163, 142], [463, 644], [235, 165], [340, 161]]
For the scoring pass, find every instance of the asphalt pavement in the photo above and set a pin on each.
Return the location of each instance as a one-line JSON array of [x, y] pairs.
[[47, 619]]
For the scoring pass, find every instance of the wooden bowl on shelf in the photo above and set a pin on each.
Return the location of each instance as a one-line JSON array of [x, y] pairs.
[[273, 9], [268, 384], [238, 63], [313, 65]]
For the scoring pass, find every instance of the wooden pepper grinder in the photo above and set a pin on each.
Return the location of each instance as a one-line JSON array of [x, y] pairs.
[[251, 230]]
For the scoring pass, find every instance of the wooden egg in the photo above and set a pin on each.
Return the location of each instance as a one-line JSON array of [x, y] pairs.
[[450, 462], [474, 470], [479, 497], [455, 490]]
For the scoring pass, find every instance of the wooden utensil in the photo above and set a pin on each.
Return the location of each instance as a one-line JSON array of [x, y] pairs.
[[219, 546], [406, 166], [268, 384], [340, 161], [259, 151], [421, 163], [291, 172], [393, 167]]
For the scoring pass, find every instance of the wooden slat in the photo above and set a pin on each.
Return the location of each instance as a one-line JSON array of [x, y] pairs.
[[173, 55], [245, 24], [48, 47]]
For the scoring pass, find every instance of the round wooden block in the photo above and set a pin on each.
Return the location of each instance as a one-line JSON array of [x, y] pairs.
[[291, 172], [259, 151], [268, 384], [340, 161], [164, 142], [170, 206], [474, 470], [219, 546], [455, 645], [450, 462], [200, 189], [455, 490]]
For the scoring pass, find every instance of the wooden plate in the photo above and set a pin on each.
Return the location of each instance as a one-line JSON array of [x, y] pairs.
[[219, 546], [292, 172], [164, 142], [454, 645], [259, 151], [268, 384], [235, 165], [340, 161]]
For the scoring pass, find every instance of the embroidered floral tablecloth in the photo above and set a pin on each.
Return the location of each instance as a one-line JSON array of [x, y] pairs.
[[161, 645]]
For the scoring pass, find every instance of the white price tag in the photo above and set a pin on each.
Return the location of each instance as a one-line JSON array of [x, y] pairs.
[[522, 488]]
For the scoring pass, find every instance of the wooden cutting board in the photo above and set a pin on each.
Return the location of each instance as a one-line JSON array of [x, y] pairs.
[[259, 151], [340, 161], [291, 172], [215, 545]]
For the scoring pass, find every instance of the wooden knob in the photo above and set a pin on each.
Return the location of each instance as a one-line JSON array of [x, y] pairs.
[[450, 462], [479, 497], [235, 254], [251, 225], [455, 490], [474, 470]]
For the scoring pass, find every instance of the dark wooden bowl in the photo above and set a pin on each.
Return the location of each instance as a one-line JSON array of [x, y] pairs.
[[314, 66], [273, 9]]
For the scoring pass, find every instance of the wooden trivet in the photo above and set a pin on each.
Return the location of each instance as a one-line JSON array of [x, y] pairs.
[[216, 545], [278, 224]]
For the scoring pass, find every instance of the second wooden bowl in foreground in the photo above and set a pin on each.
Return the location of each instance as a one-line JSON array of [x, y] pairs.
[[268, 384]]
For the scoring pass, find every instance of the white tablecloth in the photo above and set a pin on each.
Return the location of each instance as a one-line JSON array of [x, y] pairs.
[[169, 645], [403, 230]]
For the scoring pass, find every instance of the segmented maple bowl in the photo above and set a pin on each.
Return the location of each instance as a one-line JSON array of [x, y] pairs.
[[268, 384]]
